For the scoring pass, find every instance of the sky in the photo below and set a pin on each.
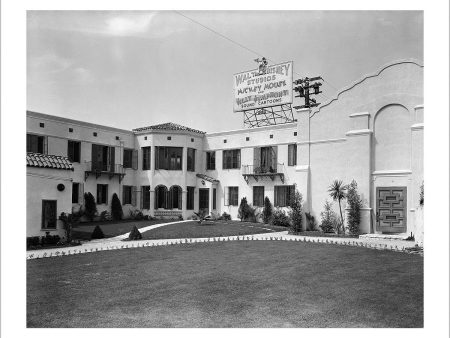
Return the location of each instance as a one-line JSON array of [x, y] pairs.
[[129, 69]]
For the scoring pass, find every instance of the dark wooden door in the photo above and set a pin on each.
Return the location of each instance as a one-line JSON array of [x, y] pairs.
[[391, 214], [203, 200]]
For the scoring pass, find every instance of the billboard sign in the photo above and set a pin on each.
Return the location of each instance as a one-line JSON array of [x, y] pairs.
[[269, 86]]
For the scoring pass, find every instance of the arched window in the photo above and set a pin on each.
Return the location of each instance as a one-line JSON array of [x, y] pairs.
[[161, 197], [175, 197]]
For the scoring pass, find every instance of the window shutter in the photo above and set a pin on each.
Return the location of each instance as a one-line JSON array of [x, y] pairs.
[[111, 159], [141, 200], [274, 158], [98, 194], [226, 192], [45, 145], [167, 204], [180, 199], [133, 195], [295, 154], [156, 197], [134, 159], [80, 193], [106, 194], [238, 158], [256, 158], [156, 158], [124, 194]]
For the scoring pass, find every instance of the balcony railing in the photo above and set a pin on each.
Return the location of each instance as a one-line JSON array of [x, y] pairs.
[[104, 169], [257, 172]]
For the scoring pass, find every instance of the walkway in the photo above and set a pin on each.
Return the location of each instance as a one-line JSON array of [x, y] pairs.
[[116, 243]]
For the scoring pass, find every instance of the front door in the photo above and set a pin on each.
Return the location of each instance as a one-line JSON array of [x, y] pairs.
[[203, 200], [391, 209]]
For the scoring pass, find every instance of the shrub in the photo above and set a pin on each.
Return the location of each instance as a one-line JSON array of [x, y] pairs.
[[116, 208], [355, 205], [312, 225], [33, 241], [90, 206], [136, 215], [50, 240], [295, 213], [267, 210], [180, 217], [243, 211], [105, 216], [69, 220], [279, 218], [134, 234], [252, 214], [226, 217], [97, 233], [329, 218], [421, 195]]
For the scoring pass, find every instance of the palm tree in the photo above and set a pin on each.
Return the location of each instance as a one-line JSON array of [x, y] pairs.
[[337, 191]]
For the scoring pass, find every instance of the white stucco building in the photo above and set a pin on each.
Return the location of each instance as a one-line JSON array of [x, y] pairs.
[[371, 132]]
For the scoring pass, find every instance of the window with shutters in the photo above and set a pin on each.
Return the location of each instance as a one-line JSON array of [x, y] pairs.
[[127, 194], [128, 158], [145, 197], [103, 158], [75, 192], [283, 195], [190, 198], [191, 159], [102, 194], [168, 158], [292, 154], [232, 159], [36, 144], [146, 158], [258, 196], [73, 151], [265, 159], [210, 160], [231, 196]]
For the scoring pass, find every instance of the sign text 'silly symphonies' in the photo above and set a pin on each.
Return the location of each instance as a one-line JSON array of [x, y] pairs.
[[253, 90]]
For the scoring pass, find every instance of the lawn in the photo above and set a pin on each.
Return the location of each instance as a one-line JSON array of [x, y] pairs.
[[83, 231], [228, 284], [209, 229]]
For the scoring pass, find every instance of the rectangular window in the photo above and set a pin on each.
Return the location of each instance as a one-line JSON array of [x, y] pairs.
[[145, 197], [214, 199], [231, 196], [75, 192], [128, 158], [36, 144], [49, 214], [283, 195], [232, 159], [146, 158], [127, 194], [168, 158], [103, 158], [210, 160], [258, 196], [191, 159], [190, 198], [73, 151], [292, 154], [102, 194]]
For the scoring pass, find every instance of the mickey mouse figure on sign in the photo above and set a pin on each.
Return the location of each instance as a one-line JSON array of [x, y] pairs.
[[262, 65]]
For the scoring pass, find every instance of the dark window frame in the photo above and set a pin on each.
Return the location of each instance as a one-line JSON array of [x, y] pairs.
[[210, 160], [283, 201], [190, 198], [127, 194], [258, 196], [37, 144], [54, 218], [102, 194], [233, 196], [146, 158], [231, 159], [75, 192], [292, 154], [190, 159], [145, 191], [74, 151], [128, 158], [169, 158]]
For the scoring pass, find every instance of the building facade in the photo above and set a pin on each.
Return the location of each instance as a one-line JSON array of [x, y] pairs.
[[372, 132]]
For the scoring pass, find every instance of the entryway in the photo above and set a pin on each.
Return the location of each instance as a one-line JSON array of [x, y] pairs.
[[391, 210], [203, 200]]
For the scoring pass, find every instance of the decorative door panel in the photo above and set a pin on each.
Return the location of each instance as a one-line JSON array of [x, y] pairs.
[[391, 211]]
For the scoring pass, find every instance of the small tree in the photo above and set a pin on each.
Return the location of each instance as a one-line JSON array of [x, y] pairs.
[[90, 206], [296, 212], [68, 221], [267, 210], [421, 195], [328, 218], [97, 233], [243, 211], [116, 208], [355, 205], [337, 191], [134, 234], [311, 226]]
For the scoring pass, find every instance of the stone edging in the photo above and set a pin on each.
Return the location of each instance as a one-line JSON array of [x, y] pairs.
[[167, 242]]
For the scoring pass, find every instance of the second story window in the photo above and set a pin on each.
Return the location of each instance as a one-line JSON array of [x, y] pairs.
[[73, 151], [231, 159], [146, 158], [130, 158], [210, 160], [191, 159], [168, 158], [292, 154], [36, 144], [103, 158]]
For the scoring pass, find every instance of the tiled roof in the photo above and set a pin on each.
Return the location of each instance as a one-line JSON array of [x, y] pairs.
[[207, 178], [169, 126], [48, 161]]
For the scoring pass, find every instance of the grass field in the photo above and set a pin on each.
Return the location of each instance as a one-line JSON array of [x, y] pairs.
[[209, 229], [228, 284]]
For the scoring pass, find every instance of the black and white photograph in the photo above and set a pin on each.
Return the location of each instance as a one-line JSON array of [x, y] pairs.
[[225, 169]]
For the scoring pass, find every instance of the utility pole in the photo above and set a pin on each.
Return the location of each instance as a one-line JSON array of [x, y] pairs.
[[303, 87]]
